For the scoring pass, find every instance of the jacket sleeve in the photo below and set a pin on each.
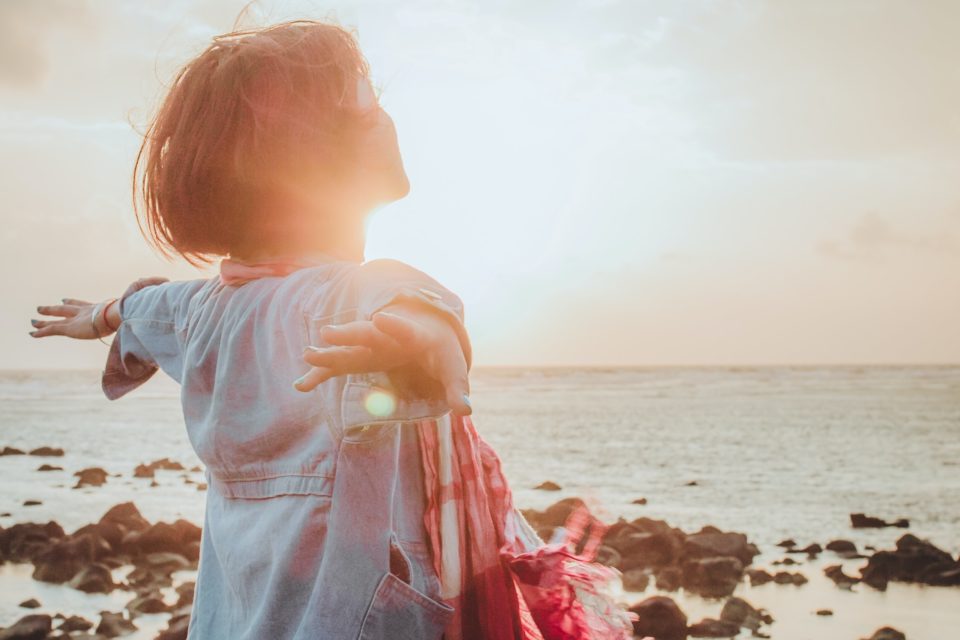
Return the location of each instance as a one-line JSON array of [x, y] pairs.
[[152, 322], [383, 282]]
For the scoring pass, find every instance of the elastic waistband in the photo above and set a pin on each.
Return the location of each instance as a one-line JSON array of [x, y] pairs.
[[269, 487]]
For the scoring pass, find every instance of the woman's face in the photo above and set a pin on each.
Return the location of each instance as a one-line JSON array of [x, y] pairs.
[[381, 167]]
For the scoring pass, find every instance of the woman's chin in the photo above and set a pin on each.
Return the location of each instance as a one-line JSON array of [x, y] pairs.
[[397, 190]]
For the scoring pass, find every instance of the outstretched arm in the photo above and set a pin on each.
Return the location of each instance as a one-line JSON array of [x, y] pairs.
[[83, 320]]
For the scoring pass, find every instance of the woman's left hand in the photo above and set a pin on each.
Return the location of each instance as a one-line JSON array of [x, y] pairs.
[[410, 344]]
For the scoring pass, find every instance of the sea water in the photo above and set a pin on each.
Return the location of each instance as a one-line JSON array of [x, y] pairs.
[[774, 452]]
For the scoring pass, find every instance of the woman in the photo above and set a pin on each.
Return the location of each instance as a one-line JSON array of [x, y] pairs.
[[327, 511]]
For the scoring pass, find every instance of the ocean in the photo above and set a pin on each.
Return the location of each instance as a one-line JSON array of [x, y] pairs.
[[774, 452]]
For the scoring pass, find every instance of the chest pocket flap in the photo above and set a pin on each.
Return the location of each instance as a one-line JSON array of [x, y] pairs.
[[370, 400]]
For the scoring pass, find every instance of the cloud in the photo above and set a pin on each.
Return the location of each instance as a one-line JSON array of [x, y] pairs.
[[25, 29], [873, 237]]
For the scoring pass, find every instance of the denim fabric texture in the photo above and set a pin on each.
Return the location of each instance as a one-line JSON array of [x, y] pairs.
[[314, 514]]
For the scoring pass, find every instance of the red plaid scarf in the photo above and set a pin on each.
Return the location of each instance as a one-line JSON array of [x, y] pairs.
[[502, 580]]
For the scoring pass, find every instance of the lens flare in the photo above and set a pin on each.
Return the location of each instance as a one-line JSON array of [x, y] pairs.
[[380, 403]]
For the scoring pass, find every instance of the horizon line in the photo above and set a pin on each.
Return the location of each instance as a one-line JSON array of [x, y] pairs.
[[742, 365]]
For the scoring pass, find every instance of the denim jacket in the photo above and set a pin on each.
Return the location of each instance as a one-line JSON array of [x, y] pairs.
[[314, 515]]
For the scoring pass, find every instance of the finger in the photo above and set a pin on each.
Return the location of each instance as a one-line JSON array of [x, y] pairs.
[[53, 329], [403, 330], [312, 378], [387, 352], [456, 382], [61, 310], [341, 359], [76, 302], [352, 334], [40, 324]]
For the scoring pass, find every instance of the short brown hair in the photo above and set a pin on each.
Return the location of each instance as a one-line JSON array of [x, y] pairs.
[[252, 106]]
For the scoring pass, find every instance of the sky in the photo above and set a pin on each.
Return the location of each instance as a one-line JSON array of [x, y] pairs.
[[603, 182]]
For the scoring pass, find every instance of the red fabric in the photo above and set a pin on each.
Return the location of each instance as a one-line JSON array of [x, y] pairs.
[[512, 585]]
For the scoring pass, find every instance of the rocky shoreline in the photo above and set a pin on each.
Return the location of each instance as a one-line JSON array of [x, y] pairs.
[[710, 563]]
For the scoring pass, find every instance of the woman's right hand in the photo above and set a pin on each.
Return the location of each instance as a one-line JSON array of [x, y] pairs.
[[76, 320]]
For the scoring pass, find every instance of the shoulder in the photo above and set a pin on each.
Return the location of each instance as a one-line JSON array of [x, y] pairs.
[[380, 282], [156, 295], [388, 270]]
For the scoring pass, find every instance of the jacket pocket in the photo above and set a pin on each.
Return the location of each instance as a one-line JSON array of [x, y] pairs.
[[370, 401], [400, 612]]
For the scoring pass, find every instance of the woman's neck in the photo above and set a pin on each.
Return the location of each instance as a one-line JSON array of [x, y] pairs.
[[343, 240]]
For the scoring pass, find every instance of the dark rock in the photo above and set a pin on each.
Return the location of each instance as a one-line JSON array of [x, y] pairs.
[[93, 477], [824, 612], [31, 503], [144, 579], [165, 562], [692, 483], [49, 467], [712, 577], [711, 628], [47, 451], [556, 514], [151, 602], [62, 560], [641, 549], [742, 613], [75, 623], [608, 556], [636, 580], [147, 470], [143, 471], [810, 549], [32, 603], [185, 594], [120, 520], [759, 576], [669, 578], [196, 468], [914, 560], [888, 633], [12, 451], [710, 545], [176, 628], [548, 486], [661, 618], [113, 625], [652, 525], [163, 536], [32, 627], [95, 578], [861, 521], [789, 543], [24, 541], [639, 501], [785, 577], [842, 580], [201, 486], [841, 546], [787, 561]]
